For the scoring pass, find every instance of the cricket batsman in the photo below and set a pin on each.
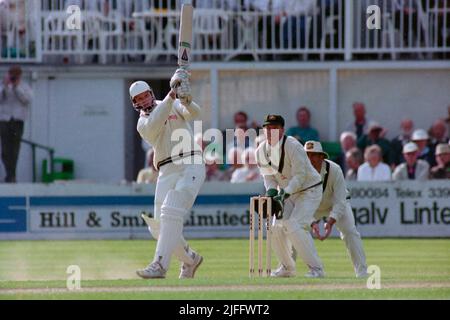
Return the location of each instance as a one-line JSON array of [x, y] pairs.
[[180, 175], [335, 206], [296, 189]]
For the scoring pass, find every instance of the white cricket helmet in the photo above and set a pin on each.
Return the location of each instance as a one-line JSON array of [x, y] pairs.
[[148, 103]]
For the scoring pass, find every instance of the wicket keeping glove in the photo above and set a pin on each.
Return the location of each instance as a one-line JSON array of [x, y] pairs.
[[282, 196], [277, 208]]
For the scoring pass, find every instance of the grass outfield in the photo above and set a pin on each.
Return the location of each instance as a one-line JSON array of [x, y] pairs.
[[410, 269]]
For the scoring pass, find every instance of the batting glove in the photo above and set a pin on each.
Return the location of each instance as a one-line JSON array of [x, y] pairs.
[[179, 76], [184, 93]]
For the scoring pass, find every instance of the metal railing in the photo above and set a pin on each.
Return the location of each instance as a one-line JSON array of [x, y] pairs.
[[34, 146], [115, 31]]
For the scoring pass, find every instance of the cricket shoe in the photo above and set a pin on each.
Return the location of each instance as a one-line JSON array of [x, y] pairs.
[[188, 270], [153, 271], [283, 272], [315, 274], [362, 275]]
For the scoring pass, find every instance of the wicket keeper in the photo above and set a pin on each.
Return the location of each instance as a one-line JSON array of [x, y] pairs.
[[296, 187]]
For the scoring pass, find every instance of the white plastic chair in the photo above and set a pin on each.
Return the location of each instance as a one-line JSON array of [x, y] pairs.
[[105, 30], [58, 38], [388, 32], [207, 24], [329, 31]]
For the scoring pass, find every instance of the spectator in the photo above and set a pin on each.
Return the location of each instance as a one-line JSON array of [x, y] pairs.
[[348, 142], [412, 168], [294, 27], [421, 138], [406, 13], [90, 5], [374, 137], [447, 121], [234, 162], [198, 140], [360, 124], [149, 174], [242, 135], [438, 134], [353, 159], [304, 132], [241, 120], [268, 28], [374, 169], [213, 172], [15, 100], [13, 19], [442, 169], [249, 172], [397, 144]]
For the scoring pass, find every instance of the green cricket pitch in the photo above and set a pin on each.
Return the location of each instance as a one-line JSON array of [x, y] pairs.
[[410, 269]]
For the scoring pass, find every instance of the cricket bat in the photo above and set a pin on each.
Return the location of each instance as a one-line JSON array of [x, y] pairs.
[[185, 36]]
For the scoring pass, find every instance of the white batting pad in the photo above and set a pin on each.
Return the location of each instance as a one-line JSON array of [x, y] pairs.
[[182, 250], [169, 237]]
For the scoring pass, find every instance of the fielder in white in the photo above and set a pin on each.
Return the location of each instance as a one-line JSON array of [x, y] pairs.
[[296, 188], [335, 206], [178, 183]]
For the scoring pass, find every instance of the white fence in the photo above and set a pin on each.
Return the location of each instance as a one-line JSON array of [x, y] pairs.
[[112, 31]]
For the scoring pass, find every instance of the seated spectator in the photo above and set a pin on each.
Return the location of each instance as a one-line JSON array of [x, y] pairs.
[[303, 132], [213, 172], [198, 139], [294, 27], [348, 142], [360, 125], [147, 176], [447, 121], [397, 144], [374, 136], [421, 138], [234, 162], [412, 168], [242, 139], [438, 134], [406, 14], [241, 121], [149, 173], [242, 135], [442, 169], [353, 159], [374, 169], [250, 171]]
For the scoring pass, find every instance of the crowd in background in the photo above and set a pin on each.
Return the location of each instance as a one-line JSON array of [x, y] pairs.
[[365, 154], [288, 26]]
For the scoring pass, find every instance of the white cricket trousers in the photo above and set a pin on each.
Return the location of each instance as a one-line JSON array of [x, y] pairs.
[[176, 191], [345, 224], [295, 228]]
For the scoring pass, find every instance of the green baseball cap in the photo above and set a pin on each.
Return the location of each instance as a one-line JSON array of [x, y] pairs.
[[274, 120]]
